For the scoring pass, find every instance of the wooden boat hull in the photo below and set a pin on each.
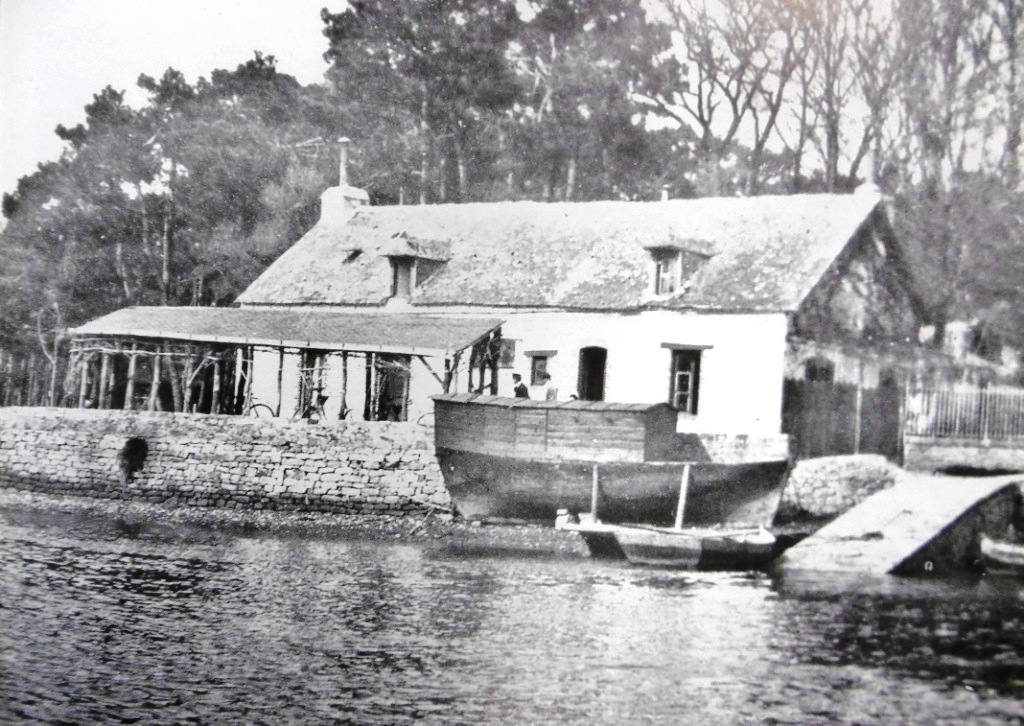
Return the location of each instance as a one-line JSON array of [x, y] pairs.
[[490, 486], [696, 549], [1000, 556]]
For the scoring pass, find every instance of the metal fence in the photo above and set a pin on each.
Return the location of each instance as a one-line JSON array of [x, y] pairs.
[[963, 411]]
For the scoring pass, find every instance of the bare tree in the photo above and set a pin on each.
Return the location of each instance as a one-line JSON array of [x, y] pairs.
[[1007, 18], [730, 84]]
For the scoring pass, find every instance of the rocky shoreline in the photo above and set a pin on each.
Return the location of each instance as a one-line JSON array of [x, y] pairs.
[[133, 518]]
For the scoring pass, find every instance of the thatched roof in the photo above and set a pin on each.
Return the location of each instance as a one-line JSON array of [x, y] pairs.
[[758, 254], [317, 329]]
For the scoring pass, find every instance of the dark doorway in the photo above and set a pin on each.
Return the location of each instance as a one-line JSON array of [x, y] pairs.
[[591, 379]]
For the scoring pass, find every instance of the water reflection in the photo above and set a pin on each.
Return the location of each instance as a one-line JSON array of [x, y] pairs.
[[967, 633], [103, 620]]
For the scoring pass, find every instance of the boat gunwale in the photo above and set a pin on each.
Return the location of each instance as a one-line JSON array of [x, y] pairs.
[[481, 399]]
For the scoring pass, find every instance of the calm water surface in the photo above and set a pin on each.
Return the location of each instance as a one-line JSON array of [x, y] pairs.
[[160, 624]]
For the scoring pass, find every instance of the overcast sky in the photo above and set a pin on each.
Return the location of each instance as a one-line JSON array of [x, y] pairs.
[[56, 54]]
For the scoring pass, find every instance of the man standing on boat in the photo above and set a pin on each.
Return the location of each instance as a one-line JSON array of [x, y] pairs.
[[521, 391]]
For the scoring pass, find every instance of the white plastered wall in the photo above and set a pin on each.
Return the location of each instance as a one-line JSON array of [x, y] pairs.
[[741, 369]]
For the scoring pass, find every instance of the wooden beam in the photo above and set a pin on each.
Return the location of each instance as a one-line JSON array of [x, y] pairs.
[[437, 378]]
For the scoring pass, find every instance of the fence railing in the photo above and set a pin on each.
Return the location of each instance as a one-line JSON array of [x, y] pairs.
[[993, 413]]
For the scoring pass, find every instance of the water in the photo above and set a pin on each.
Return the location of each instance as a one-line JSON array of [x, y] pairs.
[[100, 622]]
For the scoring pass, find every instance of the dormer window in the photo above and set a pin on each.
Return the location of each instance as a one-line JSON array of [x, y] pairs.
[[666, 271], [674, 267], [401, 276], [413, 262]]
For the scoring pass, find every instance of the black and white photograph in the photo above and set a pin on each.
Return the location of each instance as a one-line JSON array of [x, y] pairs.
[[512, 362]]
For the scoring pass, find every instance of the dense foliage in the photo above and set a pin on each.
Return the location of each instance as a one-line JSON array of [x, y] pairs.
[[187, 199]]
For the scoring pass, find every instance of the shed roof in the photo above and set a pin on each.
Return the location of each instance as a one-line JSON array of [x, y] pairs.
[[760, 253], [412, 334]]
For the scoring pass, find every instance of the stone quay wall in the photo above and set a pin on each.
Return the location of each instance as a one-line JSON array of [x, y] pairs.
[[830, 485], [223, 461], [926, 453]]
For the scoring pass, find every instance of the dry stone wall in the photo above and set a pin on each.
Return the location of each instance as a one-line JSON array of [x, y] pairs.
[[226, 461], [830, 485]]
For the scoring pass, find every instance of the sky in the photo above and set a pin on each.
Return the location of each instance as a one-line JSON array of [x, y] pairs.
[[56, 54]]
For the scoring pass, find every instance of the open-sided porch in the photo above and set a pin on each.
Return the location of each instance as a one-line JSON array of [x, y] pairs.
[[280, 362]]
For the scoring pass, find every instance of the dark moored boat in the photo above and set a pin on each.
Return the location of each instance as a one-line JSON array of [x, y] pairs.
[[525, 459], [1001, 556]]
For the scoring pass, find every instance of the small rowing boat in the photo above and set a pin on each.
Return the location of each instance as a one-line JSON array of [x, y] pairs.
[[697, 549], [691, 548], [1002, 556]]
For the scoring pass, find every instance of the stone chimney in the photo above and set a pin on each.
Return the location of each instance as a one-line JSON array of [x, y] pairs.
[[870, 185], [338, 204], [343, 144]]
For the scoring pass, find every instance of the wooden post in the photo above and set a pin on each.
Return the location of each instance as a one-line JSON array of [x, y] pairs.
[[447, 375], [483, 367], [344, 385], [155, 385], [188, 365], [83, 384], [684, 487], [280, 381], [129, 391], [455, 371], [595, 493], [217, 372], [368, 403], [496, 355], [248, 355], [101, 401], [202, 387]]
